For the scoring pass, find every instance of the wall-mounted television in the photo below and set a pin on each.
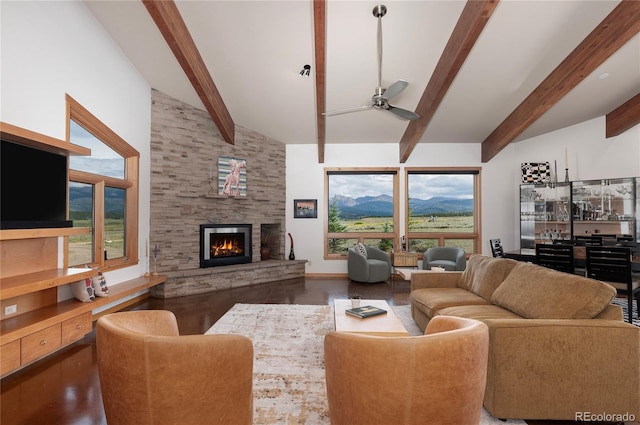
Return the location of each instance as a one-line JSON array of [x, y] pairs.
[[33, 188]]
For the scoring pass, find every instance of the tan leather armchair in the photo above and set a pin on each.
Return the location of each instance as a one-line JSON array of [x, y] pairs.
[[438, 378], [149, 374]]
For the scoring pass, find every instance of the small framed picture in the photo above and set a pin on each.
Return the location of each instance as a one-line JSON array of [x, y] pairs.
[[535, 172], [305, 208]]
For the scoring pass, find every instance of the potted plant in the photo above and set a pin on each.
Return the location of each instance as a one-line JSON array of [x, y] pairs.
[[355, 300]]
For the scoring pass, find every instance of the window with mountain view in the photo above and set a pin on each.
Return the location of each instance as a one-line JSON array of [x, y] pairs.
[[361, 207], [443, 208], [103, 194]]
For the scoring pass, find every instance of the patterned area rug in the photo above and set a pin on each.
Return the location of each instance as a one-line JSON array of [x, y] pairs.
[[622, 302], [289, 386]]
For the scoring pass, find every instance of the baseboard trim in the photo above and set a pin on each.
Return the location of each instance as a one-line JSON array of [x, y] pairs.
[[326, 275]]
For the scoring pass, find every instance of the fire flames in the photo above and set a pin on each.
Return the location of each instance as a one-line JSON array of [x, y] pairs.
[[225, 248]]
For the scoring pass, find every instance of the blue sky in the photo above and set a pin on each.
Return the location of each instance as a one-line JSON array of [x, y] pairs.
[[104, 160]]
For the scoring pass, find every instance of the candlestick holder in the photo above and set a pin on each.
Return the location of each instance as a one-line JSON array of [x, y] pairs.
[[566, 175], [155, 261]]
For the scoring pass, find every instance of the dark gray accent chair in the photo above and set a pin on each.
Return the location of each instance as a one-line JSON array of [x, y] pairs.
[[376, 267], [448, 257]]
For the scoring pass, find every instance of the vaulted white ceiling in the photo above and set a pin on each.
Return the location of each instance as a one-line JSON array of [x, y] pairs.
[[254, 51]]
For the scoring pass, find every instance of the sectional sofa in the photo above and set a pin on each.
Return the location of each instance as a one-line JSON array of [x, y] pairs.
[[558, 348]]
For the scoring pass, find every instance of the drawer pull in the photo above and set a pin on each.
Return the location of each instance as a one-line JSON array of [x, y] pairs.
[[78, 326], [43, 342]]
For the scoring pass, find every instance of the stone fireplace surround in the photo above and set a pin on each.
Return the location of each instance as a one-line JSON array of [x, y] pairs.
[[185, 146]]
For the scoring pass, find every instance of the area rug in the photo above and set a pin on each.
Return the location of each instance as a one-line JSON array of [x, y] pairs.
[[288, 340], [622, 302]]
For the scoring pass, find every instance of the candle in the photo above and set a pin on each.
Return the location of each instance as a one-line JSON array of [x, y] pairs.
[[210, 172], [155, 252], [566, 159]]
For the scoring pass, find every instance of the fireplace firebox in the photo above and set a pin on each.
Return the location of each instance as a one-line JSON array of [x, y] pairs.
[[225, 244]]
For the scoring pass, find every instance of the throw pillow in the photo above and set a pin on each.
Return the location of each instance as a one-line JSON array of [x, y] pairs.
[[83, 290], [361, 249], [99, 284]]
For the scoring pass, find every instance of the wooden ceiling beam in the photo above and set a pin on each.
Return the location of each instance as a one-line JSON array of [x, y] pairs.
[[320, 35], [167, 17], [620, 26], [623, 117], [472, 21]]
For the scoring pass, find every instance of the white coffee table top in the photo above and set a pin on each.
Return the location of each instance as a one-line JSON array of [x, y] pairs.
[[381, 325]]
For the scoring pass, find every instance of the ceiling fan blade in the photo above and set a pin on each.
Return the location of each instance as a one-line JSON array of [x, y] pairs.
[[403, 113], [395, 89], [347, 110]]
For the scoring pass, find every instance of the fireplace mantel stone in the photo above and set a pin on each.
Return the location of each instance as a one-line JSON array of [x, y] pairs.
[[198, 281]]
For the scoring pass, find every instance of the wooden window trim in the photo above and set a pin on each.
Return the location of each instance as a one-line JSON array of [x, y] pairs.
[[361, 236], [476, 235], [79, 114]]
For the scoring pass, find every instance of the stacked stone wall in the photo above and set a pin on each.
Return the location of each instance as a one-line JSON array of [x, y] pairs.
[[185, 147]]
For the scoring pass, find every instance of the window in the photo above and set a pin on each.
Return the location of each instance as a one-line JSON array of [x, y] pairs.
[[361, 206], [443, 208], [103, 194]]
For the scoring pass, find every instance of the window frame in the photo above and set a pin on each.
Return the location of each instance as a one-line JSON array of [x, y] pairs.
[[441, 237], [361, 236], [81, 116]]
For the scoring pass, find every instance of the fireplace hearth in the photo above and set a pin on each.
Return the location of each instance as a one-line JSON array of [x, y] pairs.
[[225, 244]]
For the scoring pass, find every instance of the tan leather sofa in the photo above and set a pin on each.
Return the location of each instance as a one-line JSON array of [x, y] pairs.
[[149, 374], [438, 378], [557, 347]]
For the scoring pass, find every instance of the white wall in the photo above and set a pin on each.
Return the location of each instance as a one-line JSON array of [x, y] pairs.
[[590, 156], [54, 48]]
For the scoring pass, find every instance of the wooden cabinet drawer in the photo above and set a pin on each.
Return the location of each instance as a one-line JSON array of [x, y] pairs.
[[40, 343], [76, 328], [9, 357]]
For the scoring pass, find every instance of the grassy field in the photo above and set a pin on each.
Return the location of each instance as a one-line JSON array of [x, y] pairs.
[[449, 224], [80, 246], [453, 224]]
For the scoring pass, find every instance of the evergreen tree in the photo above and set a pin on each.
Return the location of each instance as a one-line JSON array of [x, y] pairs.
[[386, 244], [336, 226]]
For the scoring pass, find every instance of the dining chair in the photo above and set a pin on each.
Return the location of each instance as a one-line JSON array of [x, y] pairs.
[[496, 248], [556, 256], [613, 265], [588, 240]]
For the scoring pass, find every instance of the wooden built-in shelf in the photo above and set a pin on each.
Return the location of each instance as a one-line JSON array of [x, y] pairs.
[[15, 234], [13, 328], [32, 282]]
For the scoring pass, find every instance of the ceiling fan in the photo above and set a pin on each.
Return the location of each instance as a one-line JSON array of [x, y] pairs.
[[380, 100]]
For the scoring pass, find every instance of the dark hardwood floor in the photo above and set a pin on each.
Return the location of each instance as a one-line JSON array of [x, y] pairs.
[[63, 389]]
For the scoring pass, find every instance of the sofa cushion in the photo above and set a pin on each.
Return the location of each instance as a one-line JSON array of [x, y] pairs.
[[536, 292], [484, 274], [430, 300], [479, 312]]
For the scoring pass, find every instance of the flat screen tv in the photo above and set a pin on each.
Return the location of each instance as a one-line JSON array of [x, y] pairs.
[[33, 188]]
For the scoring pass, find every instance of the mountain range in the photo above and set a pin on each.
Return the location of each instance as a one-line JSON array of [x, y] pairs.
[[382, 206], [81, 200]]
